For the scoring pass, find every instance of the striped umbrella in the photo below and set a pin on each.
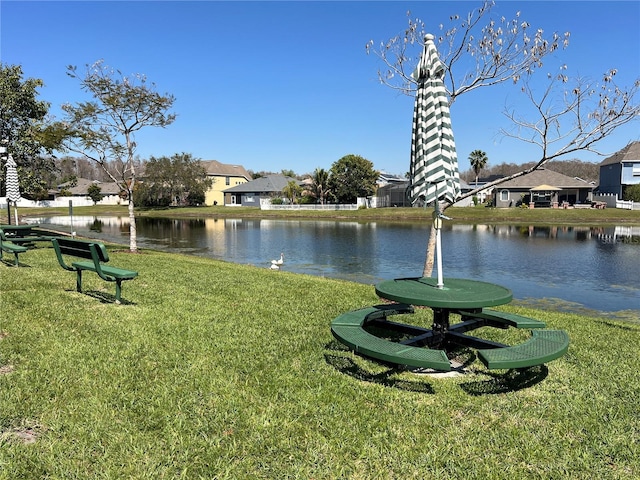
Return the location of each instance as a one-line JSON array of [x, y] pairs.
[[433, 172], [13, 185], [434, 162]]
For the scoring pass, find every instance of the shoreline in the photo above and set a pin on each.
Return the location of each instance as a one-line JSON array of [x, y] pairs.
[[459, 215]]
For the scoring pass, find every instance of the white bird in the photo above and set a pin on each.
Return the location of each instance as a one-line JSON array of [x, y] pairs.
[[278, 262], [274, 267]]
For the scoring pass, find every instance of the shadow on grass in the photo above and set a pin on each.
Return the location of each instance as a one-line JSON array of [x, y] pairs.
[[347, 366], [103, 297], [11, 264], [511, 381]]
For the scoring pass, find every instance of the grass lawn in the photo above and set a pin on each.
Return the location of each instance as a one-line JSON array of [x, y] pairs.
[[215, 370]]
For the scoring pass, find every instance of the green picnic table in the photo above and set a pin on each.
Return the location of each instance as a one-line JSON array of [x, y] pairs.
[[26, 234], [431, 347]]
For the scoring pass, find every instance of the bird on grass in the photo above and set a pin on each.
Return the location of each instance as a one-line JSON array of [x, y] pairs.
[[279, 261]]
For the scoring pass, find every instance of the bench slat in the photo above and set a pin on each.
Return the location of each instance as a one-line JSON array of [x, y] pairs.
[[542, 347], [112, 271]]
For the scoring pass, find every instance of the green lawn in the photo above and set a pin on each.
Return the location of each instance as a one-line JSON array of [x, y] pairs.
[[215, 370]]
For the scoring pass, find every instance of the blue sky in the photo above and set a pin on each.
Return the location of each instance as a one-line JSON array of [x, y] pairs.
[[288, 85]]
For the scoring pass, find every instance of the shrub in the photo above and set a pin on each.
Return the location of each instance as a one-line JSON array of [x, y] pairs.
[[632, 193]]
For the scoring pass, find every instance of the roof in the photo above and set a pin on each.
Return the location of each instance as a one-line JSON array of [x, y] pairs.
[[629, 153], [385, 178], [271, 183], [542, 176], [214, 167], [82, 185]]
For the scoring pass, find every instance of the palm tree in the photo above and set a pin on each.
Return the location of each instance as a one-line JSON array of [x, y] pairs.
[[320, 184], [292, 190], [478, 160]]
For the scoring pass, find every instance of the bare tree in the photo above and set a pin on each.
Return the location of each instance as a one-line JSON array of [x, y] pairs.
[[104, 130], [572, 116], [503, 51]]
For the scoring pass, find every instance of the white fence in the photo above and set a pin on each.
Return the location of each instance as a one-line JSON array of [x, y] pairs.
[[612, 201], [628, 205]]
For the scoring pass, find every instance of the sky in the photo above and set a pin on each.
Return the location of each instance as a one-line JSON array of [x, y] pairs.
[[288, 85]]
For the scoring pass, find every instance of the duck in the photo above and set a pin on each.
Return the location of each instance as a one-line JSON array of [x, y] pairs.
[[274, 267], [278, 262]]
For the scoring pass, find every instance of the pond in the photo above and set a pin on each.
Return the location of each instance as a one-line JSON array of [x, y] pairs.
[[569, 268]]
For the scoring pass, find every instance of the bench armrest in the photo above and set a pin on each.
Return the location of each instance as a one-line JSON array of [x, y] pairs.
[[56, 247]]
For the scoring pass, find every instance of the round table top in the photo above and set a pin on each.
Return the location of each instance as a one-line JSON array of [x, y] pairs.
[[456, 293]]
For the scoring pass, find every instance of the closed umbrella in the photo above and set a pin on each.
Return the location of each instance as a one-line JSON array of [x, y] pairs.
[[433, 170], [13, 185]]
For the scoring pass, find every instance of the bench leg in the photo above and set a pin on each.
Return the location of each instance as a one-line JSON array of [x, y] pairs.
[[118, 290], [17, 263], [79, 281]]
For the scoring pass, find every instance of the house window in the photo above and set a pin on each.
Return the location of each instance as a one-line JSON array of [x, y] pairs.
[[227, 181], [248, 198], [635, 171], [504, 195]]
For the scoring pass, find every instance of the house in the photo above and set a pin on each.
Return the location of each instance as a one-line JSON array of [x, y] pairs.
[[620, 170], [224, 176], [250, 193], [110, 191], [542, 188], [486, 193], [395, 194]]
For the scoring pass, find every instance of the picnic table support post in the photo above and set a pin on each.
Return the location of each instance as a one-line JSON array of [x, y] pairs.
[[440, 324], [79, 281], [118, 290]]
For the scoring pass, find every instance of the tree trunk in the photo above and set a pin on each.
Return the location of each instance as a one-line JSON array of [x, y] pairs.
[[133, 242], [430, 254]]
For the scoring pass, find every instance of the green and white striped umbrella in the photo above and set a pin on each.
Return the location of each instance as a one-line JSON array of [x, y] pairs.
[[11, 179], [434, 162], [12, 186]]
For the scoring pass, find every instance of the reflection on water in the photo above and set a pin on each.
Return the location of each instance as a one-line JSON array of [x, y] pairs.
[[586, 267]]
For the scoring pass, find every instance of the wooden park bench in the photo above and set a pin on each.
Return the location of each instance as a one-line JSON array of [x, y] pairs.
[[348, 329], [7, 246], [96, 255]]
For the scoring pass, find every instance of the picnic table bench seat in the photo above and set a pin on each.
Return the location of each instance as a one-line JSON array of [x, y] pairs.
[[7, 246], [542, 347], [502, 319], [96, 255], [348, 329]]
